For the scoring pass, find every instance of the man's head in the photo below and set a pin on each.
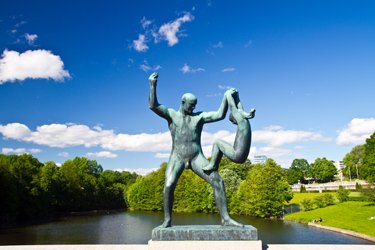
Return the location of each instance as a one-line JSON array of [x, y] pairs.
[[188, 103]]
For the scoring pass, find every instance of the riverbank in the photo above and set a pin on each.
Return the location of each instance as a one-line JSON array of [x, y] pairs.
[[343, 217], [343, 231]]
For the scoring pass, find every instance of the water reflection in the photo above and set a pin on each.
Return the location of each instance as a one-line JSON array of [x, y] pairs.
[[135, 228]]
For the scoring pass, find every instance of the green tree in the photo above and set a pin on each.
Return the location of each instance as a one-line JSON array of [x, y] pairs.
[[367, 170], [353, 161], [48, 188], [342, 194], [20, 175], [264, 191], [328, 199], [307, 204], [112, 188], [241, 169], [298, 171], [147, 191], [193, 194], [80, 180], [369, 192], [323, 170]]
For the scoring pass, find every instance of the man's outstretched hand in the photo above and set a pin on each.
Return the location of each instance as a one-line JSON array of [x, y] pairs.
[[153, 78]]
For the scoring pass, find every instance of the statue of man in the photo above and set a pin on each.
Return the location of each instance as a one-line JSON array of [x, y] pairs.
[[186, 129]]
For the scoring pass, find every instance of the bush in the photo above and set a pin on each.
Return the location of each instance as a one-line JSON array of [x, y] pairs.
[[319, 202], [360, 198], [328, 199], [302, 189], [307, 204], [369, 193], [342, 194]]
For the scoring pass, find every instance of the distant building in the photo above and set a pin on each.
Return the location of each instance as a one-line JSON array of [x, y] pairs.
[[340, 167], [259, 159]]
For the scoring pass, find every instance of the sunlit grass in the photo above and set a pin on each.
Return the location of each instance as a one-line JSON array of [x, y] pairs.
[[347, 215]]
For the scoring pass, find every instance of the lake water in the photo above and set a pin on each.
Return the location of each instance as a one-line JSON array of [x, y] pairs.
[[135, 228]]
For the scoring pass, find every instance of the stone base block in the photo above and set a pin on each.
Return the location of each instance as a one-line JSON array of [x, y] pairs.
[[205, 245], [205, 233]]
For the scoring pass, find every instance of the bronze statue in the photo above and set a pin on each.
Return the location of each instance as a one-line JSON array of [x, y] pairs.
[[186, 128]]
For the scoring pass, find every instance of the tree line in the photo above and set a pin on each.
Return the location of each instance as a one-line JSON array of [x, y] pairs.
[[252, 189], [31, 190], [359, 163]]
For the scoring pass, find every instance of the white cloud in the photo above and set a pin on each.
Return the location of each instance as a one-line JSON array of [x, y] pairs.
[[20, 151], [55, 135], [146, 67], [162, 155], [63, 154], [138, 142], [145, 23], [186, 69], [231, 69], [102, 154], [219, 45], [277, 136], [31, 64], [140, 44], [169, 31], [68, 135], [31, 38], [356, 132], [157, 67], [248, 44], [274, 152], [15, 131], [220, 86]]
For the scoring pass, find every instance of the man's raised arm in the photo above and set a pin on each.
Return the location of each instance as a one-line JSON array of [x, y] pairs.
[[220, 113], [159, 109]]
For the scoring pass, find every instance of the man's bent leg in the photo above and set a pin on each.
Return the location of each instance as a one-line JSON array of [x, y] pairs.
[[172, 173], [219, 191]]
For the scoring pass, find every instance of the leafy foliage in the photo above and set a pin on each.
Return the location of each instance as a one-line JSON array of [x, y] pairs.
[[147, 192], [328, 199], [298, 171], [369, 193], [324, 200], [323, 170], [30, 189], [264, 191], [342, 194], [353, 161], [307, 204], [367, 170]]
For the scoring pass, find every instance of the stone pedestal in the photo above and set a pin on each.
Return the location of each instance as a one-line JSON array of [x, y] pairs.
[[205, 237], [205, 245], [204, 232]]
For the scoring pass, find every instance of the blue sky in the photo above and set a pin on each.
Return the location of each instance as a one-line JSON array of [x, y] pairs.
[[73, 76]]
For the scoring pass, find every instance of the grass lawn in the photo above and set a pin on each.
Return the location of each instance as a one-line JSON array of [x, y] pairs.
[[349, 215], [298, 197]]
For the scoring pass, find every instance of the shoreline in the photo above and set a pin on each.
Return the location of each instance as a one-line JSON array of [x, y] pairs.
[[343, 231]]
